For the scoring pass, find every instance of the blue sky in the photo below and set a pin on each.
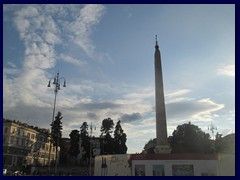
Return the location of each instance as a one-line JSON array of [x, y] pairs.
[[106, 55]]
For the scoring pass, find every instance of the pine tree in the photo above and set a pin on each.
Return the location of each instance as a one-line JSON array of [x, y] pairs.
[[107, 144], [120, 139], [85, 141], [56, 133], [74, 143]]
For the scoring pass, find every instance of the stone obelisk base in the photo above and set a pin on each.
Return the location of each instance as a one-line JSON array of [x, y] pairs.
[[162, 149]]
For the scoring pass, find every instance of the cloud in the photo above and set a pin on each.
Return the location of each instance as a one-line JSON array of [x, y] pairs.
[[81, 28], [130, 117], [99, 105], [143, 94], [92, 115], [186, 109], [72, 60], [177, 93], [41, 31], [227, 70], [12, 65]]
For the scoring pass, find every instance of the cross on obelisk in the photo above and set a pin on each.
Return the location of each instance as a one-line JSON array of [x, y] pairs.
[[161, 125]]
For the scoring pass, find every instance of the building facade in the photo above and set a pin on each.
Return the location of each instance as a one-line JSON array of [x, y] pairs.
[[26, 145]]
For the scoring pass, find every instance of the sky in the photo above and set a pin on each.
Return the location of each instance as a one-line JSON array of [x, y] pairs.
[[106, 55]]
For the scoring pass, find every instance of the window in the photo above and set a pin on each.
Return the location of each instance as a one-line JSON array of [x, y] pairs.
[[32, 136], [158, 170], [183, 170], [140, 170], [17, 140], [18, 131], [23, 142], [27, 142], [6, 130], [28, 135], [12, 139], [13, 130]]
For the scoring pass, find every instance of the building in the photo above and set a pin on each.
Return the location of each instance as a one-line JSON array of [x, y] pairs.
[[181, 164], [25, 145]]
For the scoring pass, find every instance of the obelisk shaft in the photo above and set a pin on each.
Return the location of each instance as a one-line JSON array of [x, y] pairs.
[[160, 104], [161, 124]]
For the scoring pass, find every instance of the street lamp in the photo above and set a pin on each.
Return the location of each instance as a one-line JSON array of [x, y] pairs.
[[91, 147], [56, 83], [212, 128]]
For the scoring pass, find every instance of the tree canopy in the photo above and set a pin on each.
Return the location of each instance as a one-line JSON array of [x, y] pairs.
[[120, 139], [56, 127], [107, 126], [188, 138], [74, 143], [85, 140]]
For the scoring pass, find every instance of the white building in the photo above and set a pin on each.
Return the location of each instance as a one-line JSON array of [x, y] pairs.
[[165, 165]]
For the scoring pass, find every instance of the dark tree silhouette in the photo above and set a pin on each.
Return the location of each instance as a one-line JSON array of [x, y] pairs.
[[85, 141], [150, 146], [107, 126], [74, 143], [107, 144], [56, 133], [188, 138], [120, 139], [63, 151]]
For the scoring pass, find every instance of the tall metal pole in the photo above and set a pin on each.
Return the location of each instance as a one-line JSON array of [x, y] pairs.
[[90, 158], [56, 82]]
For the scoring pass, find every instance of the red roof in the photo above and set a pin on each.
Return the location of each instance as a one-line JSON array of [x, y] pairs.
[[177, 156]]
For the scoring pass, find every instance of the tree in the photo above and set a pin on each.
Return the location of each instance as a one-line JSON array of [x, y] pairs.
[[85, 141], [107, 144], [120, 139], [63, 151], [56, 133], [150, 146], [107, 126], [74, 143], [188, 138]]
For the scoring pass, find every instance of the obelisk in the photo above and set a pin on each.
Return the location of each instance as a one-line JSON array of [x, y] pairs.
[[161, 124]]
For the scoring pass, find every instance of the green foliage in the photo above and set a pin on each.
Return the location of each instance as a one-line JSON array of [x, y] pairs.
[[150, 146], [107, 126], [120, 139], [74, 143], [84, 130], [56, 127], [63, 151], [188, 138], [85, 140], [107, 144], [225, 144]]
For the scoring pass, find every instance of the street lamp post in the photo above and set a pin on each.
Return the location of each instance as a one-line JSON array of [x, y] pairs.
[[56, 83], [90, 157], [212, 128]]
